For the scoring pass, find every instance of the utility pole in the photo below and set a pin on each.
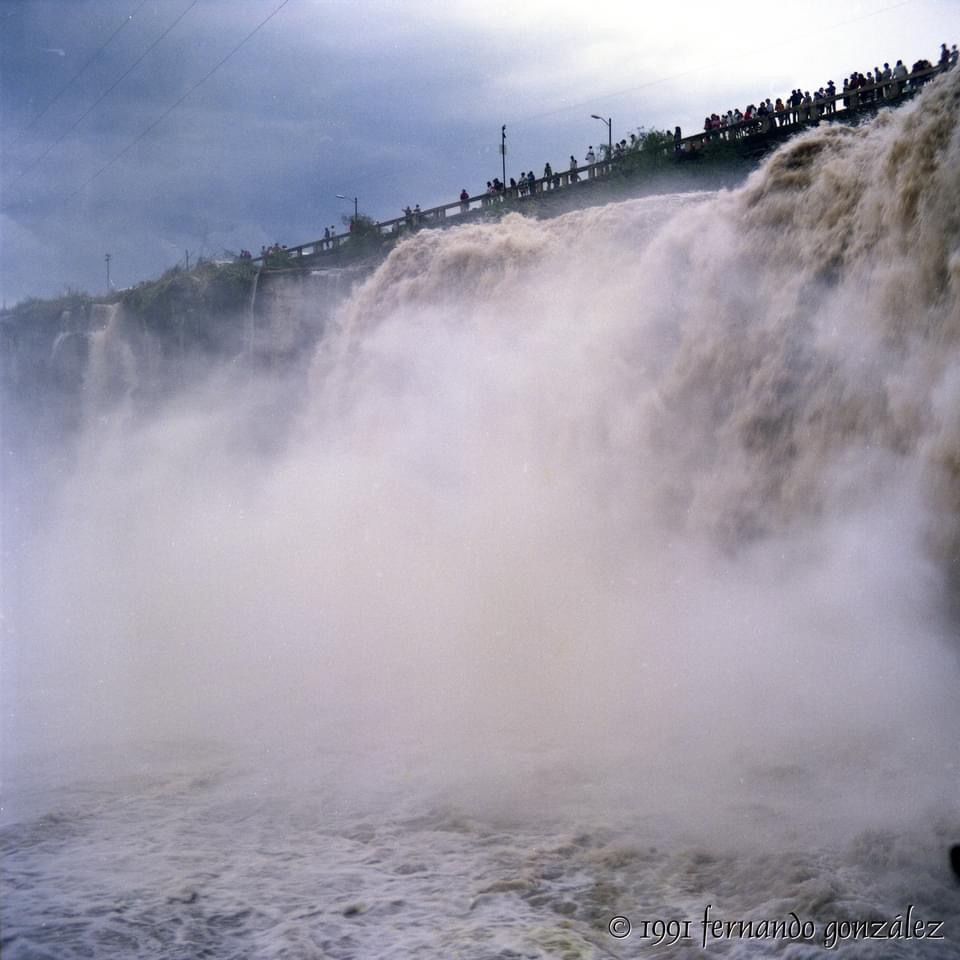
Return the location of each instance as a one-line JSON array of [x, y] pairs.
[[186, 259], [107, 258], [503, 155]]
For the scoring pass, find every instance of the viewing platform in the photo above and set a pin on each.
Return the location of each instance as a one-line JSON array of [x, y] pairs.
[[748, 138]]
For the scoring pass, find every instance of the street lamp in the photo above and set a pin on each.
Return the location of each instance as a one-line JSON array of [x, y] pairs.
[[503, 155], [340, 196], [609, 122]]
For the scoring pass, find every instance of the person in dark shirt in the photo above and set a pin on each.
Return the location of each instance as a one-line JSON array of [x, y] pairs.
[[831, 94], [796, 99]]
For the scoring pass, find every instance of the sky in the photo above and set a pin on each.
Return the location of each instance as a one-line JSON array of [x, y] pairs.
[[147, 129]]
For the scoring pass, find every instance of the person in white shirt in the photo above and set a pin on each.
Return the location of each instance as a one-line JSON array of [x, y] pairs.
[[900, 74]]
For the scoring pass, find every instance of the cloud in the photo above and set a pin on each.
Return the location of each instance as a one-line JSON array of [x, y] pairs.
[[391, 102]]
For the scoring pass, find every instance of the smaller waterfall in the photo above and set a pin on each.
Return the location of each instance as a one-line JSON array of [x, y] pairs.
[[111, 375]]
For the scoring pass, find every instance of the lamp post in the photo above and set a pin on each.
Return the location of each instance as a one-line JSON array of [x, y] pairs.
[[107, 259], [503, 155], [356, 215], [609, 122]]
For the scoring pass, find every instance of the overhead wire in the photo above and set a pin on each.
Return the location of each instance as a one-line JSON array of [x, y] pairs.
[[174, 106], [102, 96], [103, 46], [393, 174]]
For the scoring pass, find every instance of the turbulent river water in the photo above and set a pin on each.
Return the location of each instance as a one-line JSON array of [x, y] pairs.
[[600, 567]]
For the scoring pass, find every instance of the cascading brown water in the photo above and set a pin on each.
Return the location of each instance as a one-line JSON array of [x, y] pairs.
[[643, 516]]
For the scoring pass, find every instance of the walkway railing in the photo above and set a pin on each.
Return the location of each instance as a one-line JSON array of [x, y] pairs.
[[852, 102]]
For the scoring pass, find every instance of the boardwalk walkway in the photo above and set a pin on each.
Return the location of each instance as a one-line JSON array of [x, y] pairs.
[[749, 138]]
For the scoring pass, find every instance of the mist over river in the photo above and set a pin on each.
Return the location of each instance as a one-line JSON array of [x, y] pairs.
[[592, 567]]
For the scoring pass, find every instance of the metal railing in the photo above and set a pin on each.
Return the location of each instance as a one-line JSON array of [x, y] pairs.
[[437, 216], [852, 102]]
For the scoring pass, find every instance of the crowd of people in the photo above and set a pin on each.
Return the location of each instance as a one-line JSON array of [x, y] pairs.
[[528, 183], [858, 90]]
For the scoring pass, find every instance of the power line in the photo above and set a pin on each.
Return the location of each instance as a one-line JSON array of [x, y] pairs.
[[396, 174], [103, 96], [77, 75], [174, 106]]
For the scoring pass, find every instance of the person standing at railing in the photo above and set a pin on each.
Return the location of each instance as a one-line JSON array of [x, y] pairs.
[[464, 200], [761, 123], [766, 109], [831, 97], [591, 159], [574, 176], [795, 97], [547, 176], [885, 79], [900, 74], [819, 103]]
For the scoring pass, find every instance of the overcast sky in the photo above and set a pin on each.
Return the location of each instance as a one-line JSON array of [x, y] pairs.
[[395, 101]]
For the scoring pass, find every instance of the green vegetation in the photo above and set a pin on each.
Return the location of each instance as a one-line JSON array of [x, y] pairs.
[[365, 236], [655, 151], [207, 288], [652, 151], [363, 226], [34, 310], [222, 289]]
